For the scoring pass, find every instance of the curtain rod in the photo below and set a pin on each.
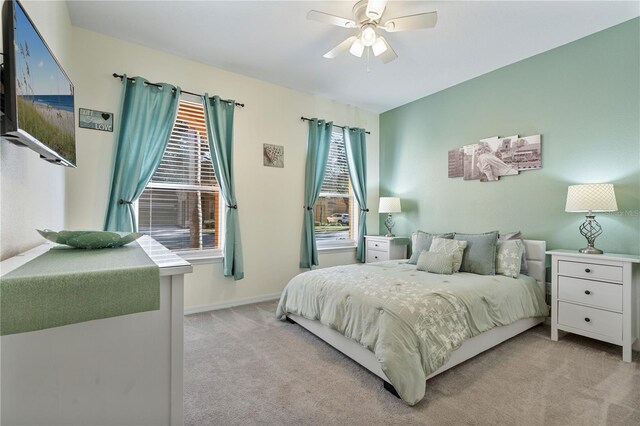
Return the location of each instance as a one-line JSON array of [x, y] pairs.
[[335, 125], [182, 91]]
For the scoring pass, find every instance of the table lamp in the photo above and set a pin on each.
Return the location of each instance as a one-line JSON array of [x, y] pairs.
[[389, 205], [590, 198]]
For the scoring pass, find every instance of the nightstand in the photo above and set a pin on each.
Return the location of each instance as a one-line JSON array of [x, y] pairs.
[[381, 248], [596, 295]]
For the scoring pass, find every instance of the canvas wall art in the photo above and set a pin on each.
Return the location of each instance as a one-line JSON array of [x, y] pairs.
[[492, 158], [273, 155]]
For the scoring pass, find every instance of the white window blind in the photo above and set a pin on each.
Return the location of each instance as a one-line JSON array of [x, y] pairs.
[[180, 205], [336, 179], [333, 210]]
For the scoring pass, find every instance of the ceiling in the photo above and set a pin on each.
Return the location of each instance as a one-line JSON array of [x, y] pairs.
[[273, 41]]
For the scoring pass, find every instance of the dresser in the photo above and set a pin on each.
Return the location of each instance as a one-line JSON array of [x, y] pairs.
[[120, 370], [381, 248], [596, 295]]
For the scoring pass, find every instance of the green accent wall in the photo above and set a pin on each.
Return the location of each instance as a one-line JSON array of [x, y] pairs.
[[583, 98]]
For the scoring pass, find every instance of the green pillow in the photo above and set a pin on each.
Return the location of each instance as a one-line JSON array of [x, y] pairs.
[[480, 254], [90, 239], [423, 242], [437, 263]]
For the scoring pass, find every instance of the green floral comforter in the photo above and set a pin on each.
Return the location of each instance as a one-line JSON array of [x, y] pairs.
[[411, 320]]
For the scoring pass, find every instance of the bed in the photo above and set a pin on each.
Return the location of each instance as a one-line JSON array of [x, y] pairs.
[[406, 326]]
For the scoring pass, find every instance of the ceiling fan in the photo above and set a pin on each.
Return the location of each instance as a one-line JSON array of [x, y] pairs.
[[367, 18]]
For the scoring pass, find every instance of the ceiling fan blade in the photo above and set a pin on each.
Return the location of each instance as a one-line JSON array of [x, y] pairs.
[[411, 22], [375, 9], [340, 48], [326, 18], [389, 54]]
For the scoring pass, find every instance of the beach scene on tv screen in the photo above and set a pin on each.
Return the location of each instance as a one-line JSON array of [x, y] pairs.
[[44, 93]]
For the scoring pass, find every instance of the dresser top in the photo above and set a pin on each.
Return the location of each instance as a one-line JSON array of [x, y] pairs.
[[395, 239], [633, 258], [168, 262]]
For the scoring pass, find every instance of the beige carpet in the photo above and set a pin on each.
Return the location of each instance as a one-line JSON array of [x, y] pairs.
[[243, 367]]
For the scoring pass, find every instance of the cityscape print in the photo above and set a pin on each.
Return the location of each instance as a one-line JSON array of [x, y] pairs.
[[491, 158]]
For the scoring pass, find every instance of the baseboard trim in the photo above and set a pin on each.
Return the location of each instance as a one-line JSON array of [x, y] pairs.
[[230, 303]]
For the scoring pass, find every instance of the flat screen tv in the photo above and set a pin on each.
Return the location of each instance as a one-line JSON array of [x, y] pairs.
[[37, 95]]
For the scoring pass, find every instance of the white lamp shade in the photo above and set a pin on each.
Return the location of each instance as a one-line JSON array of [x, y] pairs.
[[595, 197], [368, 36], [357, 48], [389, 205], [379, 47]]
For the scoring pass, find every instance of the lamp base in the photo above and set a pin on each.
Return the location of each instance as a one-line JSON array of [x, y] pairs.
[[590, 250], [388, 223], [590, 229]]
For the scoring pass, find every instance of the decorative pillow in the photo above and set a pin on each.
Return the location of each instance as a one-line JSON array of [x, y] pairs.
[[422, 241], [438, 263], [480, 255], [508, 257], [524, 269], [90, 239], [453, 248]]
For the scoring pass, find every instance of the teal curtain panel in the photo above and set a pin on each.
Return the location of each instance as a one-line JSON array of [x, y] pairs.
[[147, 114], [219, 120], [318, 144], [67, 286], [356, 149]]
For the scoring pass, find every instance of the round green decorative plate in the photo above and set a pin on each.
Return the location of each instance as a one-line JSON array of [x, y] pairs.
[[90, 239]]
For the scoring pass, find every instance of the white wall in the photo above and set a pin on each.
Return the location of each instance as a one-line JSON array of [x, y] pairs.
[[270, 200], [32, 191]]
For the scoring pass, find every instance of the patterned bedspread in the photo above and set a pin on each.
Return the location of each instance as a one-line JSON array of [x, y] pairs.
[[411, 320]]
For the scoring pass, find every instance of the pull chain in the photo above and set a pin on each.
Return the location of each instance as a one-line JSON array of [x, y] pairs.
[[368, 57]]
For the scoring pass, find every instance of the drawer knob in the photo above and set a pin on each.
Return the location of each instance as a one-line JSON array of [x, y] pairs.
[[587, 319], [587, 270], [587, 292], [376, 245], [376, 257]]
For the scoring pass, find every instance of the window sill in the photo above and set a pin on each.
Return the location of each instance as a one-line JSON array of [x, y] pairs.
[[337, 248], [198, 257]]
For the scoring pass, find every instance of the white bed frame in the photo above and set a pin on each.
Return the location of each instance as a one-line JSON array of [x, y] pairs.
[[470, 348]]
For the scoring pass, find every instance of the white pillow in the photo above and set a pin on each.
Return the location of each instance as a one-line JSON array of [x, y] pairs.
[[508, 257], [455, 248]]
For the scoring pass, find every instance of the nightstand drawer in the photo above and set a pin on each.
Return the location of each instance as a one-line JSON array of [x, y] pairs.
[[590, 319], [591, 271], [595, 293], [377, 255], [378, 245]]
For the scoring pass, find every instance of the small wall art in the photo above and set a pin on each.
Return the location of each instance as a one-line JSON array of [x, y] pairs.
[[95, 120], [273, 155], [492, 158]]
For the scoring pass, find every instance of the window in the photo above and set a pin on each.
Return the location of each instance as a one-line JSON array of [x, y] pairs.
[[180, 207], [333, 212]]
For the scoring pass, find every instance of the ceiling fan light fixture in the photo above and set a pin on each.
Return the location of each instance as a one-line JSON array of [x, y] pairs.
[[368, 18], [357, 48], [379, 47], [368, 35]]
